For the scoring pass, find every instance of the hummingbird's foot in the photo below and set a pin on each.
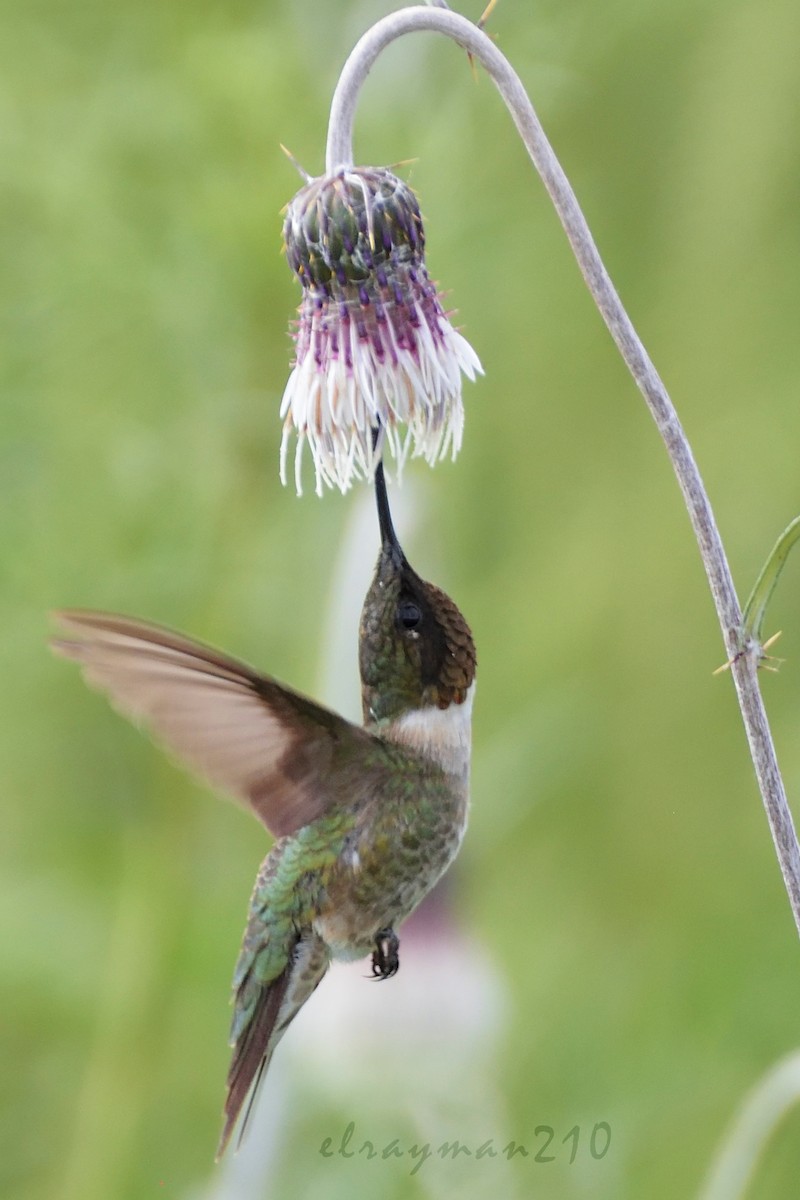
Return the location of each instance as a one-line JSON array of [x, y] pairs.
[[385, 957]]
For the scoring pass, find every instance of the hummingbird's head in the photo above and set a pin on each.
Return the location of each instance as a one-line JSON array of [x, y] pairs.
[[415, 648]]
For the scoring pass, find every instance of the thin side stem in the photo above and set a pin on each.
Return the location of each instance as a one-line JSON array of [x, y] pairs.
[[744, 668], [756, 608]]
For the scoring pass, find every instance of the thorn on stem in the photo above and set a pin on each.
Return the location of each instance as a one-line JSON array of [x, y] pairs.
[[301, 171], [487, 12], [758, 651]]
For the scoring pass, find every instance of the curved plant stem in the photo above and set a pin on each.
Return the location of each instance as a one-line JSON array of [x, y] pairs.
[[755, 1125], [743, 666]]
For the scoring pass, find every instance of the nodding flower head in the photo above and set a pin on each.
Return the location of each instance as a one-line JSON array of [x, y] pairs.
[[376, 358]]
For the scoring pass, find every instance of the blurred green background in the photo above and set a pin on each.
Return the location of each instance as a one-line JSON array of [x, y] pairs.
[[618, 879]]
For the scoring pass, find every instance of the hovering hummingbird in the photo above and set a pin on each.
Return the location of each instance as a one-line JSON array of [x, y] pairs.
[[367, 818]]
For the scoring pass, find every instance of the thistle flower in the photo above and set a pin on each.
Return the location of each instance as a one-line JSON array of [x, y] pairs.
[[376, 358]]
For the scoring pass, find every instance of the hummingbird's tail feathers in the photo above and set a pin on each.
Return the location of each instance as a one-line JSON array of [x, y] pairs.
[[251, 1055], [265, 745], [275, 1007]]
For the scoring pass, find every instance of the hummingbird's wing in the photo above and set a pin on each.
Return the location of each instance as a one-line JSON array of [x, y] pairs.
[[268, 747]]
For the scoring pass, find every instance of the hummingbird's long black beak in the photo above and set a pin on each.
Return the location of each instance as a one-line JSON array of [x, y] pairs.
[[388, 536]]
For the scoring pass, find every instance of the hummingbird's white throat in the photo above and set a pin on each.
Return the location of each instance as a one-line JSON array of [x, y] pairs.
[[441, 734]]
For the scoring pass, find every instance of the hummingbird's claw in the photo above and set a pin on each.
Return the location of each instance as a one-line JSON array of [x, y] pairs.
[[385, 957]]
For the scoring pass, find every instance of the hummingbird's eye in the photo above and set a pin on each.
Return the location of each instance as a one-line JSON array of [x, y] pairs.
[[409, 614]]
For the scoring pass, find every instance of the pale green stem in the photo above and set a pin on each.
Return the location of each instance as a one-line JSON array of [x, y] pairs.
[[756, 607], [745, 1142], [743, 667]]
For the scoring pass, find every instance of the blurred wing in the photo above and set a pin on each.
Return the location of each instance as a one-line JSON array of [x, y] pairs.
[[268, 747]]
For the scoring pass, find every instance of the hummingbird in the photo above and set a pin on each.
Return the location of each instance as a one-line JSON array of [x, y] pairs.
[[367, 818]]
